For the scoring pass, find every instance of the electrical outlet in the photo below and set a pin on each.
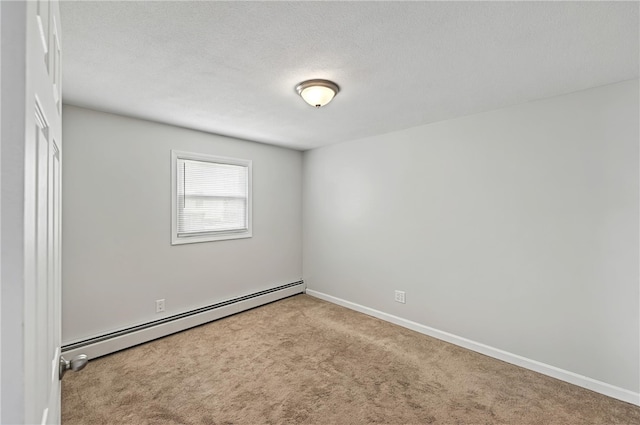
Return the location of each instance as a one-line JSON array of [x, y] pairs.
[[160, 306], [400, 297]]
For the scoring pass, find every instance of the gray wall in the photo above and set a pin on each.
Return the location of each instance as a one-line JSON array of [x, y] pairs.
[[516, 228], [13, 84], [117, 255]]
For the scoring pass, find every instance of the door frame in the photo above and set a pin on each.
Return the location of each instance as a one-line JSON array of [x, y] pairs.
[[13, 110]]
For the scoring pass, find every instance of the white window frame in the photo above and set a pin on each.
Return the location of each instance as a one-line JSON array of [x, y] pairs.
[[209, 236]]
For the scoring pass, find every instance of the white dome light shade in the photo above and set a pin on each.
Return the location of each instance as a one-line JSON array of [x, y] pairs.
[[317, 93]]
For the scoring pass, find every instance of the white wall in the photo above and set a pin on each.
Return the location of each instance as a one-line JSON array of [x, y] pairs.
[[117, 252], [516, 228]]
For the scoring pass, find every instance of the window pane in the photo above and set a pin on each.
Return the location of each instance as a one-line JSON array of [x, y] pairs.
[[212, 197]]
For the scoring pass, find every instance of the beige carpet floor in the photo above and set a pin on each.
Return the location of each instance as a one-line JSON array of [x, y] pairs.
[[305, 361]]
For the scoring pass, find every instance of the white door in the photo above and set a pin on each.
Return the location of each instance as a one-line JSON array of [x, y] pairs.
[[43, 153], [31, 159]]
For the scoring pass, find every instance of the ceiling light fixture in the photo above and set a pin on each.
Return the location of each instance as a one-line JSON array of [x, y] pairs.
[[317, 93]]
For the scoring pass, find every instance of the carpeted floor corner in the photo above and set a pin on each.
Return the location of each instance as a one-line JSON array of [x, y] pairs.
[[305, 361]]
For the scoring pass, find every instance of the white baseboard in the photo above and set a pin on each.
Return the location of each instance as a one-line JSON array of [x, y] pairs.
[[545, 369], [117, 343]]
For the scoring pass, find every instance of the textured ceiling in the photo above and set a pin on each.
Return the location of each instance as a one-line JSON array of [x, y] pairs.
[[231, 67]]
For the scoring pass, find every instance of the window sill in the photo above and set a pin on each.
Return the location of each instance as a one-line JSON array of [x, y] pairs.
[[181, 240]]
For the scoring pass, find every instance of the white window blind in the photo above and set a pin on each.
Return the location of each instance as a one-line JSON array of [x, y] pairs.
[[212, 198]]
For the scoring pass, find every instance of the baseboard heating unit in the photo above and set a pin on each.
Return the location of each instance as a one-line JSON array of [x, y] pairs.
[[118, 340]]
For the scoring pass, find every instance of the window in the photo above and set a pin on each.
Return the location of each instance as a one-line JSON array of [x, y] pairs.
[[211, 198]]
